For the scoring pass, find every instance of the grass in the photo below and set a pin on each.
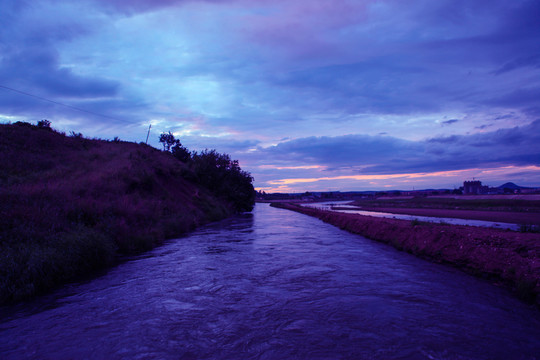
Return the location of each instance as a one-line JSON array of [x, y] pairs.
[[71, 205], [527, 228], [517, 205]]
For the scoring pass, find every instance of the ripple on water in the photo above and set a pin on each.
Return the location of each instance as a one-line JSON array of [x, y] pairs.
[[274, 285]]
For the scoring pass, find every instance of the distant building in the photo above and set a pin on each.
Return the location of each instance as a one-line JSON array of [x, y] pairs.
[[474, 187]]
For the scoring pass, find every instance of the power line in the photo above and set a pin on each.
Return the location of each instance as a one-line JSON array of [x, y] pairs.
[[62, 104]]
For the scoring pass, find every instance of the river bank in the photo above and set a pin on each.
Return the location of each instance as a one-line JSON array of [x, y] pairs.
[[515, 209], [505, 257], [70, 206], [274, 284], [521, 218]]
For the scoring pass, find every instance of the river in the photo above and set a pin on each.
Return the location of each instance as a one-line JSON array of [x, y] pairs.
[[344, 207], [273, 284]]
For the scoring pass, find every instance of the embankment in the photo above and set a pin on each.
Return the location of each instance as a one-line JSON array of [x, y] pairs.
[[70, 205], [504, 257], [511, 217]]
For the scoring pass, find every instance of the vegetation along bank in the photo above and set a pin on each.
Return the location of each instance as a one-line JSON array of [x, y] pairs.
[[71, 205], [505, 257]]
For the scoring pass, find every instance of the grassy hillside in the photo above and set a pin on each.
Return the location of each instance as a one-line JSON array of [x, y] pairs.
[[70, 205]]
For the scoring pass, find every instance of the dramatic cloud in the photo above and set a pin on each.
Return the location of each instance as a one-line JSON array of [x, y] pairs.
[[386, 155], [301, 88], [382, 157], [449, 122]]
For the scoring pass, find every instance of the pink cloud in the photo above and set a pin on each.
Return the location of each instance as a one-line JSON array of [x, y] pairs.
[[302, 28], [400, 181]]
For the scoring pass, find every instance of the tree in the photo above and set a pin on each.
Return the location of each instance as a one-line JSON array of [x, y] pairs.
[[168, 140], [44, 124], [181, 153], [224, 178], [215, 171]]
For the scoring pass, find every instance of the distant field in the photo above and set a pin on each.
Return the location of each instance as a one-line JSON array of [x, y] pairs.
[[524, 210], [523, 203], [496, 197]]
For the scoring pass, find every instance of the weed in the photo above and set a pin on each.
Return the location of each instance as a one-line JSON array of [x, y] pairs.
[[69, 205], [528, 228], [75, 135], [525, 290]]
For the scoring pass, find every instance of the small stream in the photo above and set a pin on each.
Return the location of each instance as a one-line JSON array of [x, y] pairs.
[[274, 284], [452, 221]]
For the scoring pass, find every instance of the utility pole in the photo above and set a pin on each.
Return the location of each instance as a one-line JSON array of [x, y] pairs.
[[147, 135]]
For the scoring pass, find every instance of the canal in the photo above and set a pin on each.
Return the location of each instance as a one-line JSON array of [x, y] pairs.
[[344, 207], [274, 284]]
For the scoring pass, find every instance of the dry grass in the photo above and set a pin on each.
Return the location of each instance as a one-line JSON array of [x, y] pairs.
[[70, 205]]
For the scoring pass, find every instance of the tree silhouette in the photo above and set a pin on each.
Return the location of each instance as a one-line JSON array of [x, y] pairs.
[[225, 178], [44, 124], [168, 140], [180, 152]]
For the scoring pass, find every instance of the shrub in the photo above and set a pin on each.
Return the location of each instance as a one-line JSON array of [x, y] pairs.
[[225, 178], [44, 124], [215, 171], [75, 135], [23, 123], [527, 228], [181, 153]]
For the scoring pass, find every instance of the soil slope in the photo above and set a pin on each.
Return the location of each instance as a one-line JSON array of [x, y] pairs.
[[70, 205]]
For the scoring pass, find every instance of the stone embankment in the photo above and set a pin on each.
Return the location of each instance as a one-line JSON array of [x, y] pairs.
[[504, 257]]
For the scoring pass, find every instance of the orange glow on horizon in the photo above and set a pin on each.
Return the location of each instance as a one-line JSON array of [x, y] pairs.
[[283, 185]]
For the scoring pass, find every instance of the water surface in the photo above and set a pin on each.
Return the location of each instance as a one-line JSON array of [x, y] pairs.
[[274, 284], [351, 209]]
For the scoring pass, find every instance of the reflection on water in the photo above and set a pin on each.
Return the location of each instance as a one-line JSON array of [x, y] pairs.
[[453, 221], [274, 285]]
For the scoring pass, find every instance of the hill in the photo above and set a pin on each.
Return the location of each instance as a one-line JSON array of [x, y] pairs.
[[71, 205], [511, 186]]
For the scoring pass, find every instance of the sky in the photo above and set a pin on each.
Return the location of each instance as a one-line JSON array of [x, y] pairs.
[[307, 95]]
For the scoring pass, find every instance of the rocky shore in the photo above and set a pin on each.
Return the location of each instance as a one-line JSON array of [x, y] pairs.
[[506, 258]]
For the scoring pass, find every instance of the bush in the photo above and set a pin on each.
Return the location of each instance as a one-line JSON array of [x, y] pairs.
[[225, 178], [528, 228], [44, 124], [215, 171], [75, 135], [181, 153]]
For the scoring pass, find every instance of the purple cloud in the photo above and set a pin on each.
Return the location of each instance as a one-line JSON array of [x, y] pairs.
[[389, 155], [449, 122], [38, 69], [242, 75]]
